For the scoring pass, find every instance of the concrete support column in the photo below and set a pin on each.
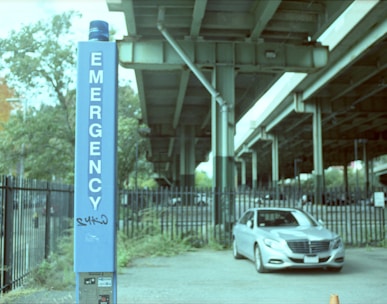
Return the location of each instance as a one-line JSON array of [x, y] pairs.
[[236, 175], [318, 154], [254, 169], [372, 175], [187, 156], [345, 171], [366, 168], [275, 161], [223, 129], [243, 173], [175, 171], [223, 125]]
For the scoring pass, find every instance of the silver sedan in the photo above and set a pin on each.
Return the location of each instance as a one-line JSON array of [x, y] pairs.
[[279, 238]]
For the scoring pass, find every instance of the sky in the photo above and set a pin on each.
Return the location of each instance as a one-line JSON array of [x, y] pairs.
[[14, 14]]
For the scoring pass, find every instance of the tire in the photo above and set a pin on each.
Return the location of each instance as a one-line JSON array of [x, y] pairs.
[[258, 260], [235, 253]]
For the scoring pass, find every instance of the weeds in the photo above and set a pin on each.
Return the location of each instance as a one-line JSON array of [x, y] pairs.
[[56, 272], [147, 240]]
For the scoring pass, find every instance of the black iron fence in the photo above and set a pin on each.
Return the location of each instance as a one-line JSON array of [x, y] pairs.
[[35, 215], [206, 214]]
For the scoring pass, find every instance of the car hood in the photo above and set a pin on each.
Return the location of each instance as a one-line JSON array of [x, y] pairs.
[[297, 233]]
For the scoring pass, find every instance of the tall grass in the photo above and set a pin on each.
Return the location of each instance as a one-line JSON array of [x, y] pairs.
[[56, 272]]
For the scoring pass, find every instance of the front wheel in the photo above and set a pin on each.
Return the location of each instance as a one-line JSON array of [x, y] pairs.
[[258, 260]]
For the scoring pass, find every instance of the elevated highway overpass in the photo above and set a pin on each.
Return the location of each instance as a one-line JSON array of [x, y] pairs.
[[267, 86]]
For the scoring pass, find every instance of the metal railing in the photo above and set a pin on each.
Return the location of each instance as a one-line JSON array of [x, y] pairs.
[[34, 215], [207, 214]]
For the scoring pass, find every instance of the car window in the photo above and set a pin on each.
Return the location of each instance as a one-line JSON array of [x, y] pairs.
[[247, 216], [275, 218], [304, 219]]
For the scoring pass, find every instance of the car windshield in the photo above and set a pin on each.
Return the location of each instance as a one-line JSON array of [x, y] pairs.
[[281, 218]]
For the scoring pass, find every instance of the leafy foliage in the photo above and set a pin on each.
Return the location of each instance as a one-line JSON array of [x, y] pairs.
[[202, 180], [334, 178], [132, 142], [41, 59], [42, 55], [5, 106], [46, 145], [148, 245]]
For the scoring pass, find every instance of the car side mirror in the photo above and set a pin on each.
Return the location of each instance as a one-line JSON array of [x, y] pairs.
[[321, 222], [249, 224]]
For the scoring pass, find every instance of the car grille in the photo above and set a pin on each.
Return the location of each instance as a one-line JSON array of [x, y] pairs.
[[301, 261], [305, 246]]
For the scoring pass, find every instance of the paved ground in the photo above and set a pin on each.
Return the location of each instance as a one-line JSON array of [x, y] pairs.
[[215, 277], [209, 277]]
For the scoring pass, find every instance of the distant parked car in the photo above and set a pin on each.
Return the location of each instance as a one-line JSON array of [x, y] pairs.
[[306, 199], [337, 199], [372, 199], [278, 238], [197, 199], [201, 199], [268, 198]]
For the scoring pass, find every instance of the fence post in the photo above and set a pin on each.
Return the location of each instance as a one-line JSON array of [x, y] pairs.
[[8, 234], [71, 202], [47, 235]]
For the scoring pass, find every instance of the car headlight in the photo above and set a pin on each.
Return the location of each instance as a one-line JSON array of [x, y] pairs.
[[336, 243], [274, 244]]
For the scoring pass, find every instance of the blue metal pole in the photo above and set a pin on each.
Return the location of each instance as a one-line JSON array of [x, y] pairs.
[[95, 192]]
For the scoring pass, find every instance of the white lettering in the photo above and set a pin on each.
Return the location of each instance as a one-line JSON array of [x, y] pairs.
[[95, 130], [95, 148], [95, 112], [94, 201], [96, 77], [95, 166], [95, 94], [96, 59], [93, 181]]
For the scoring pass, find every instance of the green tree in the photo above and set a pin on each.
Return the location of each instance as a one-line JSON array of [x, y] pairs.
[[41, 59], [334, 177], [41, 62], [202, 180], [48, 151], [134, 169], [5, 106], [41, 139]]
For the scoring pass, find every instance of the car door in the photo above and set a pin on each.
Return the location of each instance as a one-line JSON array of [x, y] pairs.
[[244, 233]]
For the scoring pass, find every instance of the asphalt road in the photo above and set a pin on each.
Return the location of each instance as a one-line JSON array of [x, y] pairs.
[[215, 277]]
